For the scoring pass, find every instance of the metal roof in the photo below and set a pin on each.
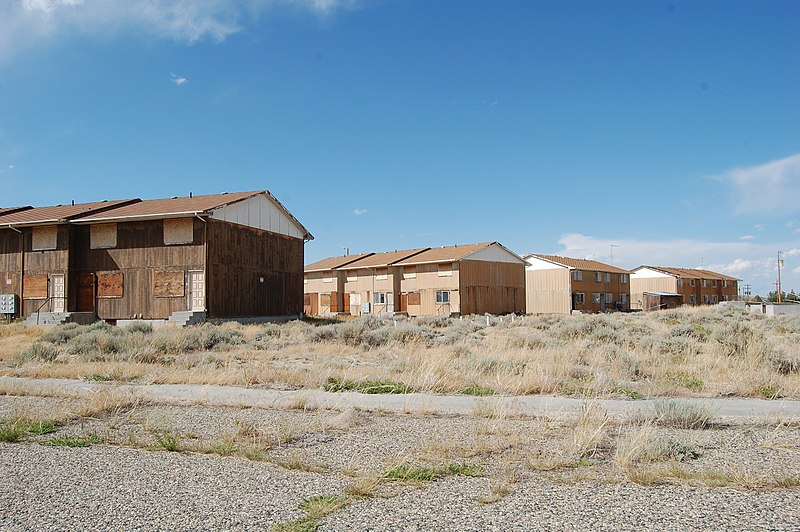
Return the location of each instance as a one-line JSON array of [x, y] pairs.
[[59, 213], [578, 264], [690, 273], [334, 262]]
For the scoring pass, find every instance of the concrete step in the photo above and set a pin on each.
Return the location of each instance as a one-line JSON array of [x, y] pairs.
[[182, 318]]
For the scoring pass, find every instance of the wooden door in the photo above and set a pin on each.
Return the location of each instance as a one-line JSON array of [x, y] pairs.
[[57, 293], [346, 303], [403, 303], [197, 291], [86, 292]]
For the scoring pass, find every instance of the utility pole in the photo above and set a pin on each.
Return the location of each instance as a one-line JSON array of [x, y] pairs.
[[611, 260], [780, 263]]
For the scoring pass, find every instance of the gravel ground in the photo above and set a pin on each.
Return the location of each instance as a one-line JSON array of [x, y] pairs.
[[130, 483]]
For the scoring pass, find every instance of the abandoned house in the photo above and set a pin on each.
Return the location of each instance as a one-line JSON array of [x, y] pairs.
[[561, 285], [451, 280], [236, 255], [694, 286]]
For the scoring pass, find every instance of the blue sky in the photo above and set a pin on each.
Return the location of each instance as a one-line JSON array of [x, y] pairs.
[[670, 129]]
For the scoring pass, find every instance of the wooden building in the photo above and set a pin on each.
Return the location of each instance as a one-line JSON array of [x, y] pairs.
[[561, 285], [218, 256], [696, 286], [452, 280], [323, 286]]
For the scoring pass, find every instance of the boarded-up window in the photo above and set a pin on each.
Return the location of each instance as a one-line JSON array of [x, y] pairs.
[[445, 270], [110, 285], [45, 238], [325, 300], [34, 287], [414, 298], [306, 300], [352, 277], [179, 231], [103, 236], [410, 273], [169, 284], [381, 275]]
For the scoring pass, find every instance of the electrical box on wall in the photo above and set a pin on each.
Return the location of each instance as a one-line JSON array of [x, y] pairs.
[[8, 304]]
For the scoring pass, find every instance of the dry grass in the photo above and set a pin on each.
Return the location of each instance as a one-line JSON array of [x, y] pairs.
[[709, 351]]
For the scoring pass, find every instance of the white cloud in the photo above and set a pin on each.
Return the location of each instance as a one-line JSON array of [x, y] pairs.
[[769, 187], [178, 80], [754, 262], [759, 227], [746, 237], [359, 212], [26, 23]]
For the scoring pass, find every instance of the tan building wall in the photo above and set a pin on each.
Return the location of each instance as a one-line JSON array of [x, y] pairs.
[[548, 291], [652, 284], [322, 293], [420, 283], [360, 287]]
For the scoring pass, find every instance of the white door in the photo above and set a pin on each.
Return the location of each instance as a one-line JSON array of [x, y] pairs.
[[355, 303], [390, 302], [197, 291], [57, 292]]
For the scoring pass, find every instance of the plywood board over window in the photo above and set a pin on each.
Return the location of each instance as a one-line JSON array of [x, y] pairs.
[[103, 236], [110, 285], [169, 284], [414, 298], [45, 238], [180, 231], [34, 286]]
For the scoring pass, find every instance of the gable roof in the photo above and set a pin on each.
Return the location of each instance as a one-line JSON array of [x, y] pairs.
[[690, 273], [578, 264], [158, 208], [451, 253], [60, 213], [334, 262], [382, 260]]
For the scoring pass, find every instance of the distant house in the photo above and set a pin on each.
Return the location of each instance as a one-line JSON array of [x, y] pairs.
[[218, 256], [695, 286], [561, 285], [451, 280]]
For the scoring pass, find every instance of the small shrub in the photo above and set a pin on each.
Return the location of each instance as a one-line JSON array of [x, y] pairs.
[[632, 394], [686, 380], [62, 334], [139, 327], [682, 414], [167, 440], [785, 364], [407, 473], [40, 351], [322, 505], [223, 448], [367, 386], [466, 470]]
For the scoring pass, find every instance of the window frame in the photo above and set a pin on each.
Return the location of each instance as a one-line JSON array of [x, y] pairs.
[[598, 277], [379, 298], [577, 275], [580, 298], [443, 297]]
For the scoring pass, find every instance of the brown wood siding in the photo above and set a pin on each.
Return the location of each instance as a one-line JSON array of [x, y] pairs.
[[238, 258], [48, 262], [10, 262], [493, 287], [139, 254]]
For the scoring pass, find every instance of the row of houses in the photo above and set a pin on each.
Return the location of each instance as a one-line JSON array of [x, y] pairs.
[[241, 255], [489, 278]]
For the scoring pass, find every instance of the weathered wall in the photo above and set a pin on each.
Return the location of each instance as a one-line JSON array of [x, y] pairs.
[[424, 286], [252, 272], [548, 291], [493, 287]]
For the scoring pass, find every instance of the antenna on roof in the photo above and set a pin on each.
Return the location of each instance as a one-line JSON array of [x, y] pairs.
[[73, 203], [190, 193], [346, 251]]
